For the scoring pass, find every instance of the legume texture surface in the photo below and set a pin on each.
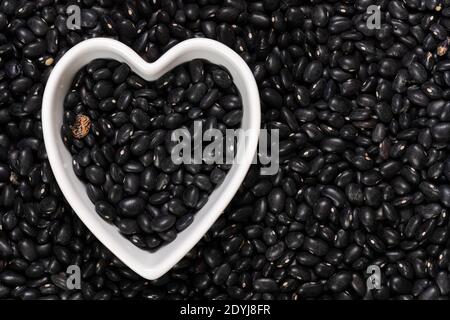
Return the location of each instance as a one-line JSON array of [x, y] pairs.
[[364, 122], [120, 131]]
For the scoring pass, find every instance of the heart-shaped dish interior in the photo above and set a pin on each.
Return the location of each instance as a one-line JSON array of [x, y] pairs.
[[121, 131]]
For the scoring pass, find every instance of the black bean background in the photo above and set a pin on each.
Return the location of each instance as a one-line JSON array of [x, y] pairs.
[[364, 130]]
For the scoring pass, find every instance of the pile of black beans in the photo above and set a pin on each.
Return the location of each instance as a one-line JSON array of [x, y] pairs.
[[123, 149], [364, 128]]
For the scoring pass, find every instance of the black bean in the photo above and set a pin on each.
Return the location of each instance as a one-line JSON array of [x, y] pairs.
[[232, 118], [127, 226], [5, 173], [196, 93], [310, 289], [259, 20], [417, 72], [141, 145], [5, 248], [95, 174], [63, 235], [294, 240], [333, 145], [416, 156], [276, 200], [196, 70], [28, 249], [34, 49], [126, 29], [302, 96], [191, 196], [131, 206], [221, 274], [12, 279], [315, 246], [21, 85], [265, 285], [35, 270], [400, 285], [168, 236], [443, 282], [444, 192], [431, 293], [105, 210], [320, 16], [222, 78], [340, 281], [429, 189], [313, 72], [120, 74], [184, 222], [276, 251], [103, 89], [417, 97], [163, 222], [202, 182], [375, 243], [271, 97], [441, 131]]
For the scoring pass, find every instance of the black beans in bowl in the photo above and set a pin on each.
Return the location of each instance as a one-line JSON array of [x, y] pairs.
[[118, 128]]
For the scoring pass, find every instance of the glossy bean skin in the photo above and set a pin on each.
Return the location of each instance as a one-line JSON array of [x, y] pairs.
[[363, 179], [122, 183]]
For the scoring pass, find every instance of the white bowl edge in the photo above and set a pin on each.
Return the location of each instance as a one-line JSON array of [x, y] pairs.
[[146, 264]]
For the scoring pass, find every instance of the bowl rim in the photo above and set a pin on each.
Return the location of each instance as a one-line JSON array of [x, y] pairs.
[[153, 264]]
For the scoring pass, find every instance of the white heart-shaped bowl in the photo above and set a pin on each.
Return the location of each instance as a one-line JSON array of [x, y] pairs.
[[155, 264]]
